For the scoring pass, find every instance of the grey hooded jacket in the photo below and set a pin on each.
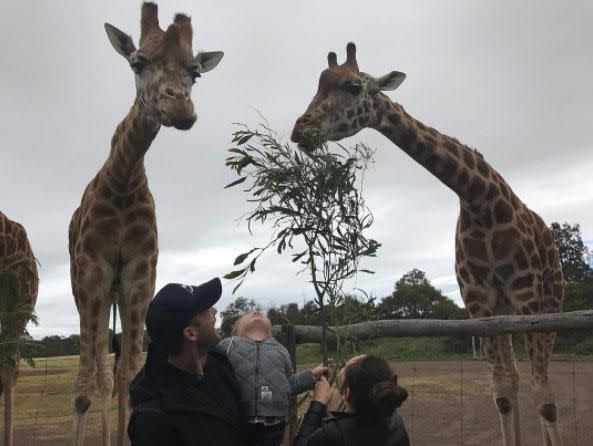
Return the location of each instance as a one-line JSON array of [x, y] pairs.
[[265, 375]]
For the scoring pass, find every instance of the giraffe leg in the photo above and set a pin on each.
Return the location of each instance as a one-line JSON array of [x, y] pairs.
[[82, 387], [539, 346], [9, 373], [104, 374], [132, 312], [505, 386], [8, 379], [91, 296]]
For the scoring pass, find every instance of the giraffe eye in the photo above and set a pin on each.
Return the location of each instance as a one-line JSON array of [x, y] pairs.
[[138, 63], [352, 88], [137, 67], [195, 72]]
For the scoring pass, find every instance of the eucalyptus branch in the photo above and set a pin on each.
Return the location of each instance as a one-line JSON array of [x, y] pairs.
[[314, 198]]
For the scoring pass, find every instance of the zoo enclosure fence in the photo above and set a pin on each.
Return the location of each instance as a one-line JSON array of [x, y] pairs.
[[291, 335]]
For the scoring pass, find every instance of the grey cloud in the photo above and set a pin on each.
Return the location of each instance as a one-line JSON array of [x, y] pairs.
[[511, 79]]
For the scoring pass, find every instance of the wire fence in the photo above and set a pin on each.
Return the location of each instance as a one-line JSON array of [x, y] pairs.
[[449, 402]]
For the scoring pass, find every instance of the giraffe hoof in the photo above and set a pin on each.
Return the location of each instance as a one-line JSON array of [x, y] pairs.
[[82, 404], [504, 405], [548, 411]]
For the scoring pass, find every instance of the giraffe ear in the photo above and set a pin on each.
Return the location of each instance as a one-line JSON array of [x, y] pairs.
[[209, 59], [390, 81], [121, 42]]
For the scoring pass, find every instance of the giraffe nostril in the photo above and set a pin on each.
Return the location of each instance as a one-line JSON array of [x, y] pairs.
[[305, 118], [170, 92]]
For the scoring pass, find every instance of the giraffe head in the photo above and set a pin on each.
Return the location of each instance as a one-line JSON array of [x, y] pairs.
[[346, 102], [164, 66]]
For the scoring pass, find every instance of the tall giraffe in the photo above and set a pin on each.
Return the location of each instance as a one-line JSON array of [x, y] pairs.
[[113, 235], [18, 295], [506, 260]]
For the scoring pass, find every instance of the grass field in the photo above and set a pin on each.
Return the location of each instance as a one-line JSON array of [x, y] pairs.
[[449, 397], [416, 349]]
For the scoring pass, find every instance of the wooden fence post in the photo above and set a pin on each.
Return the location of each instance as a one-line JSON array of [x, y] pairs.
[[289, 341]]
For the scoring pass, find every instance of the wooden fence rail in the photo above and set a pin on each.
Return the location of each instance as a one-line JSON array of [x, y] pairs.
[[486, 326]]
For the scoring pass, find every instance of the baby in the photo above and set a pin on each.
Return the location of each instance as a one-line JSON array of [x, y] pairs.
[[266, 377]]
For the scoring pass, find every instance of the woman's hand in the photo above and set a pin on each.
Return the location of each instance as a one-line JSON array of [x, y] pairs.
[[323, 391]]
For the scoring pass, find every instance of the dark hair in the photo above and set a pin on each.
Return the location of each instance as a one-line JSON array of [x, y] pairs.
[[373, 387]]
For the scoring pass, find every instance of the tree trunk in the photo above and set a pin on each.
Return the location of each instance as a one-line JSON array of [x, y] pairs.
[[323, 332]]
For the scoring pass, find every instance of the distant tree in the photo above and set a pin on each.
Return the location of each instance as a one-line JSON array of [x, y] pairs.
[[310, 313], [350, 309], [578, 295], [414, 297], [293, 313], [277, 316], [286, 314], [234, 311], [447, 309], [574, 254]]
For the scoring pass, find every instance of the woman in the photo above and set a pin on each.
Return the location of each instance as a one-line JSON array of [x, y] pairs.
[[369, 387]]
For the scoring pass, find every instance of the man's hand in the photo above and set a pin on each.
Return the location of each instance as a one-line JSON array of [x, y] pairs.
[[320, 371], [323, 391]]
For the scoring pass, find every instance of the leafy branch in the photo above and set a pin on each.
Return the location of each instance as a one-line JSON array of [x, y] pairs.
[[312, 197], [15, 312]]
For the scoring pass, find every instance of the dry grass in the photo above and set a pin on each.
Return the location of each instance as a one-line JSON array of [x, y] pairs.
[[437, 412]]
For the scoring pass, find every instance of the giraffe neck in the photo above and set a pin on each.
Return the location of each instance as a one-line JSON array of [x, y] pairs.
[[129, 144], [461, 169]]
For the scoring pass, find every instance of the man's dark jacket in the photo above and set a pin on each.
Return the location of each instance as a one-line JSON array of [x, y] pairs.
[[345, 429], [178, 408]]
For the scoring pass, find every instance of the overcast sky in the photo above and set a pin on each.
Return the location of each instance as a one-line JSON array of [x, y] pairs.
[[512, 79]]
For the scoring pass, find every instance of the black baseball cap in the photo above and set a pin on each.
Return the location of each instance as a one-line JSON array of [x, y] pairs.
[[176, 304]]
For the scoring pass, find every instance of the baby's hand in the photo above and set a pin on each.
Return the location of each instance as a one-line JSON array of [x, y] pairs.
[[320, 371]]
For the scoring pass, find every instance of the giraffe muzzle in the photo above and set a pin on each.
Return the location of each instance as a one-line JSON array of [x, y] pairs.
[[178, 113], [185, 123], [306, 134]]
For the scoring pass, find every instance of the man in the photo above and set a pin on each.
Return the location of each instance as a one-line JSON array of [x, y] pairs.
[[185, 394]]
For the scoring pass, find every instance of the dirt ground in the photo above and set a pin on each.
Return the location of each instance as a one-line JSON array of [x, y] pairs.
[[449, 404]]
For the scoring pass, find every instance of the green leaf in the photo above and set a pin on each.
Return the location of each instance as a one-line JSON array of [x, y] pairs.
[[234, 274], [296, 257], [244, 139], [283, 209], [297, 231], [241, 258], [234, 183]]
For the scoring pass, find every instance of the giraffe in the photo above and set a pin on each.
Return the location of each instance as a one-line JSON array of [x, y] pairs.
[[113, 234], [18, 272], [506, 260]]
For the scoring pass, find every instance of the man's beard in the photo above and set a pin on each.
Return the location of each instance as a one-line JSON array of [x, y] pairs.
[[207, 341]]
